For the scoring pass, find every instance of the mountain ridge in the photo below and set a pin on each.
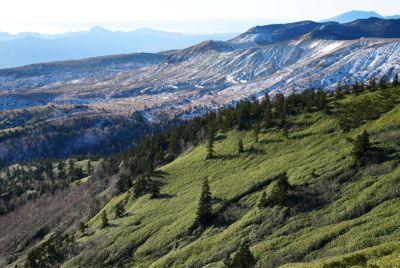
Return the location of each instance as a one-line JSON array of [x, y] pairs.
[[18, 50], [358, 14], [186, 83]]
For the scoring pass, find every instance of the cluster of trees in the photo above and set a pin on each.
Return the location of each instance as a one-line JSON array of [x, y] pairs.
[[243, 258], [279, 193], [365, 107], [161, 148], [55, 140], [21, 183], [52, 252]]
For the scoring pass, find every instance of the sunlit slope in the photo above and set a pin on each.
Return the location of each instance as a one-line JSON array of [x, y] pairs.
[[340, 215]]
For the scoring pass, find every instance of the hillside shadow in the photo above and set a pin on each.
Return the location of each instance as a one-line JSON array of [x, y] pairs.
[[271, 141], [166, 196], [256, 151], [225, 156], [159, 173], [301, 136], [220, 137]]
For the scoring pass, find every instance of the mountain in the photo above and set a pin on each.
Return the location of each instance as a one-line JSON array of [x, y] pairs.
[[279, 146], [366, 28], [357, 14], [28, 48], [188, 82], [300, 199]]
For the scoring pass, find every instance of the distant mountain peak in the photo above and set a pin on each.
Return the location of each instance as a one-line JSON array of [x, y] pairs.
[[98, 29], [356, 15]]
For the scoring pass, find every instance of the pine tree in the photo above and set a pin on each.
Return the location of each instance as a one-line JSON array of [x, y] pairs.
[[279, 192], [82, 227], [240, 146], [280, 106], [321, 100], [89, 167], [61, 173], [395, 80], [139, 187], [123, 184], [104, 220], [256, 132], [119, 210], [263, 201], [372, 84], [71, 169], [268, 117], [357, 88], [210, 144], [154, 190], [362, 148], [60, 165], [204, 210], [383, 82], [285, 130], [242, 259]]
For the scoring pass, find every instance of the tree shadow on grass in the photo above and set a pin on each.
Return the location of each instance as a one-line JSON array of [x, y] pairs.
[[159, 173], [271, 141], [220, 137], [225, 156], [166, 196]]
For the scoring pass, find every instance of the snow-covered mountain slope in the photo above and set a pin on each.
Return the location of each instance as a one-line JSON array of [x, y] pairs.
[[210, 74], [184, 82], [283, 57]]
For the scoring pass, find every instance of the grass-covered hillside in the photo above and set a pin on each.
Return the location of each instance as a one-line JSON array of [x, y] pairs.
[[336, 212]]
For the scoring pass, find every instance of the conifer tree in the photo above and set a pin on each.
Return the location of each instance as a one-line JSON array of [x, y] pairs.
[[154, 190], [263, 201], [139, 187], [122, 184], [321, 100], [71, 167], [280, 105], [383, 82], [372, 84], [104, 220], [362, 148], [60, 165], [268, 117], [210, 144], [119, 210], [61, 173], [240, 146], [395, 80], [256, 132], [285, 130], [242, 259], [279, 192], [204, 210], [89, 167]]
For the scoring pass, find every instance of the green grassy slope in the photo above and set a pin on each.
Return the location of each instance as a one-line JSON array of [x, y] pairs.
[[357, 223]]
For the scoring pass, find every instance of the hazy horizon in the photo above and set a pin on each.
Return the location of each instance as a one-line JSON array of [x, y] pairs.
[[196, 17]]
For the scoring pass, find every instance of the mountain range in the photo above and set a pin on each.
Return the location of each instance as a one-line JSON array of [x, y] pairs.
[[28, 48], [276, 148], [358, 14], [212, 74]]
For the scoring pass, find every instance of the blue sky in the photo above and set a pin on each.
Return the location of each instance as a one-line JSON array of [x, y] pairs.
[[199, 15]]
